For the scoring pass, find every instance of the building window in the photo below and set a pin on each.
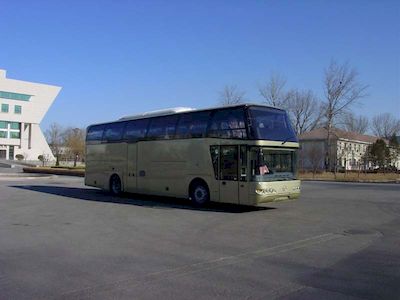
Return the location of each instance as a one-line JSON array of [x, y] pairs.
[[14, 134], [4, 108], [17, 109], [14, 125], [10, 130], [14, 96]]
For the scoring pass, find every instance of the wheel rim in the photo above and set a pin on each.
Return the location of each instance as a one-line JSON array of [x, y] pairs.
[[116, 185], [200, 194]]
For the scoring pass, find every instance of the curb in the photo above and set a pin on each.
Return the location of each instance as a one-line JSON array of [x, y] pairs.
[[65, 172], [16, 176], [394, 181]]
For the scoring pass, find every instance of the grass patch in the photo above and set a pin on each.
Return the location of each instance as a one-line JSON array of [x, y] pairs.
[[69, 168], [56, 171], [352, 176]]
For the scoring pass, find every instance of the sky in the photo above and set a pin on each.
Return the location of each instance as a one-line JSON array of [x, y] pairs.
[[117, 58]]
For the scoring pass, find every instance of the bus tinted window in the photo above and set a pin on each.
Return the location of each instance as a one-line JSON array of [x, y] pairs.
[[163, 127], [113, 131], [193, 125], [95, 133], [228, 123], [136, 129], [271, 124]]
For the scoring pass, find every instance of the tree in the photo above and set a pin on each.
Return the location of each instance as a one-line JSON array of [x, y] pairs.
[[379, 153], [394, 148], [75, 142], [304, 110], [231, 95], [54, 136], [342, 89], [273, 91], [394, 142], [385, 125], [314, 154], [43, 158], [359, 124]]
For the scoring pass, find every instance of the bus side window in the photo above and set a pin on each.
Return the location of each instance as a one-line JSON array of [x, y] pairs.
[[193, 125], [243, 163], [214, 150], [182, 130], [136, 130], [163, 128], [113, 132], [228, 123], [198, 127], [95, 133]]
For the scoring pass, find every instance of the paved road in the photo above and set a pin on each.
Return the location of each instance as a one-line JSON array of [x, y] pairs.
[[61, 240]]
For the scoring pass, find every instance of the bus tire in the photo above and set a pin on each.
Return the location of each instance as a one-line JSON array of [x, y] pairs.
[[115, 185], [199, 193]]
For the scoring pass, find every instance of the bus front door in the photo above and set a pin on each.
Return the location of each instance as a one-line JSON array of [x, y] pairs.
[[131, 181], [229, 179], [243, 176]]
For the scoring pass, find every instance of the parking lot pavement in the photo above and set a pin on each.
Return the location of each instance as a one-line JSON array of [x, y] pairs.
[[62, 240]]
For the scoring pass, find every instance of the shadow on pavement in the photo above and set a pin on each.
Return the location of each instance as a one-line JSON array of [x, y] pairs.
[[90, 194]]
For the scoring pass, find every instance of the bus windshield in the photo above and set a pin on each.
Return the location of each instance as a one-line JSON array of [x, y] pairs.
[[272, 165], [271, 124]]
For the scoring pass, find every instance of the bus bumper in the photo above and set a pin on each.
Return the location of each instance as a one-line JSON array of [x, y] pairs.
[[263, 192]]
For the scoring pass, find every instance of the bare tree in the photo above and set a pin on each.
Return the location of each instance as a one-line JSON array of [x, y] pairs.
[[350, 122], [385, 125], [54, 137], [273, 91], [342, 89], [312, 154], [75, 142], [304, 109], [231, 95]]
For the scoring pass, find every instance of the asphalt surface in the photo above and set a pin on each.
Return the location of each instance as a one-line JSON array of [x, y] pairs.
[[62, 240]]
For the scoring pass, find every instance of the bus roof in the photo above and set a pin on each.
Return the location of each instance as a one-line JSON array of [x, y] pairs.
[[177, 110], [157, 113]]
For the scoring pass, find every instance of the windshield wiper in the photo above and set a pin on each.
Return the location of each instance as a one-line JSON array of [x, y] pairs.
[[287, 139]]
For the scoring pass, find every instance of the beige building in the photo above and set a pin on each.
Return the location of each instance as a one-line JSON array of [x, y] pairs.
[[347, 149], [23, 105]]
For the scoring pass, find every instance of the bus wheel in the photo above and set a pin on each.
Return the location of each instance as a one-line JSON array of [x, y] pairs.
[[115, 185], [199, 193]]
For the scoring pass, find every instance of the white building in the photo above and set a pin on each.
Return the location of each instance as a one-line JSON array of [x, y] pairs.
[[347, 149], [23, 105]]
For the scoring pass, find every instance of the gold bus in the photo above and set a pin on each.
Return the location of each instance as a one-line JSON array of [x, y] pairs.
[[242, 154]]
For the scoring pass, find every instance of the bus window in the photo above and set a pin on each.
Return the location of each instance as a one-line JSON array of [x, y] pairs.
[[113, 131], [136, 129], [214, 150], [272, 165], [271, 124], [229, 163], [228, 123], [193, 125], [163, 128], [95, 133], [243, 163]]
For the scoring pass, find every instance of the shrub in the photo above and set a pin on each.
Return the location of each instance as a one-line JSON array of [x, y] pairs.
[[41, 158], [19, 157]]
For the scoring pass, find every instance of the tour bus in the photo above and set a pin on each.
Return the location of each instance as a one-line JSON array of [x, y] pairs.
[[242, 154]]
